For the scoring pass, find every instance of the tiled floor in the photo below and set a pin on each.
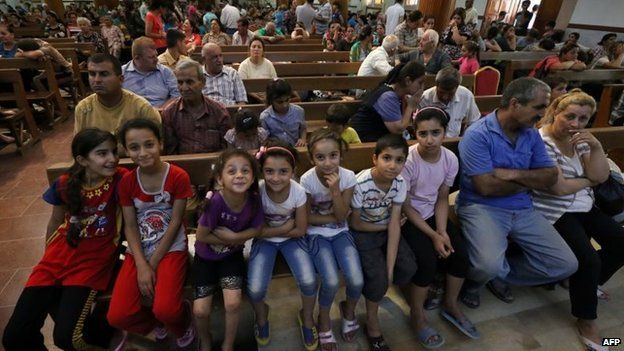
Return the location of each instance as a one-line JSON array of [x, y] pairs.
[[537, 320]]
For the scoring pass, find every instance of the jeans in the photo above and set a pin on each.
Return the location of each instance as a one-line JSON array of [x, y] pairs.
[[262, 260], [330, 253], [595, 267], [545, 256]]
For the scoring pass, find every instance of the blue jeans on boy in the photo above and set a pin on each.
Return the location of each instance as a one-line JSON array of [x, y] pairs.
[[262, 260], [331, 253], [545, 258]]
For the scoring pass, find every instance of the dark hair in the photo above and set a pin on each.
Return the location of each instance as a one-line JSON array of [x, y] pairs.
[[276, 89], [221, 28], [492, 33], [82, 144], [391, 141], [225, 156], [607, 37], [461, 12], [576, 35], [330, 41], [414, 16], [567, 48], [553, 81], [533, 33], [277, 148], [243, 21], [173, 37], [365, 32], [138, 123], [157, 4], [245, 119], [546, 44], [432, 112], [323, 134], [104, 57], [261, 43], [557, 35], [338, 114], [399, 73], [10, 28], [28, 44]]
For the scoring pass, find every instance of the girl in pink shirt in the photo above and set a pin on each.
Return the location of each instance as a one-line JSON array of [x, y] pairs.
[[469, 62]]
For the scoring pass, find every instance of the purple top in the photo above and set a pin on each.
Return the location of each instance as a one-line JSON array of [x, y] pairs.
[[218, 214]]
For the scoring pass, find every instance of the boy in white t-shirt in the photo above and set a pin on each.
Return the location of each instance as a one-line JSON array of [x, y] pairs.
[[376, 227]]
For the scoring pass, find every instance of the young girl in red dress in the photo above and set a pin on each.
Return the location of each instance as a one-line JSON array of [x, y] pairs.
[[81, 248]]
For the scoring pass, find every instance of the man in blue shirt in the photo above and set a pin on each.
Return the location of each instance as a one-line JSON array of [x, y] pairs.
[[502, 158], [146, 77]]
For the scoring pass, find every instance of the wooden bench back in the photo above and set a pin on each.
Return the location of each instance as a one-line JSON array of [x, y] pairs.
[[13, 77], [512, 66], [289, 41], [357, 158], [317, 46], [283, 56], [610, 94], [84, 47], [333, 83], [303, 69], [591, 75], [45, 66], [316, 111], [29, 32], [514, 55]]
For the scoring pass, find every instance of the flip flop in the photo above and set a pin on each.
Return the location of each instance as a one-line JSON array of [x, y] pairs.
[[327, 338], [590, 345], [470, 298], [602, 294], [501, 290], [309, 336], [348, 326], [464, 325], [426, 338], [376, 343]]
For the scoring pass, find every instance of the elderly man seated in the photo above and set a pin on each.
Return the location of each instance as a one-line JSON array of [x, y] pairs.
[[428, 53], [270, 33], [457, 100], [223, 84], [377, 63], [193, 123], [146, 77]]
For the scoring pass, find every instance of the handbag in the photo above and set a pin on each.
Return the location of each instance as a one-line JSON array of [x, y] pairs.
[[609, 196]]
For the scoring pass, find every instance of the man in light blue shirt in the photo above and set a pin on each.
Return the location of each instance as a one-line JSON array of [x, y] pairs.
[[146, 77], [323, 17], [503, 157]]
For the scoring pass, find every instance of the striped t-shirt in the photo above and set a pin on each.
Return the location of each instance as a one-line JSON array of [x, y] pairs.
[[554, 206], [375, 204]]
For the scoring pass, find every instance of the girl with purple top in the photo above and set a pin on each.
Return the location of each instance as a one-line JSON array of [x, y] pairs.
[[330, 189], [283, 120], [429, 171], [232, 215], [284, 203]]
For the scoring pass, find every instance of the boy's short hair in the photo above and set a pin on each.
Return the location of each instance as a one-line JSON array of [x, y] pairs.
[[392, 141], [338, 114]]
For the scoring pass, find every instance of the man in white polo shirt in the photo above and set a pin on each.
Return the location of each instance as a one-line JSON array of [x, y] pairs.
[[394, 16], [457, 100]]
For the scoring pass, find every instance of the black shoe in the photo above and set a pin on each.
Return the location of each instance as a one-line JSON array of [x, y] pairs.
[[501, 290]]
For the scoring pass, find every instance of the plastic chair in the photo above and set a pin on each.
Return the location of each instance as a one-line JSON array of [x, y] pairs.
[[486, 81]]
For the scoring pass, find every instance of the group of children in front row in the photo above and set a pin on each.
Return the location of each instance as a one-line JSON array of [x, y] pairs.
[[388, 224]]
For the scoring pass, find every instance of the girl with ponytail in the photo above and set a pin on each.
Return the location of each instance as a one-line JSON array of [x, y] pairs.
[[389, 108], [81, 246]]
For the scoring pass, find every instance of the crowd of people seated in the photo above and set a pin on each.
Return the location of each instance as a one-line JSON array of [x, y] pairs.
[[388, 224]]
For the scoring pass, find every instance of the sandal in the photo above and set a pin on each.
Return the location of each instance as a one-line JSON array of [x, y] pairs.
[[376, 343], [501, 290], [349, 327], [470, 298], [602, 294], [464, 325], [430, 338], [309, 336], [590, 345], [263, 333], [327, 338]]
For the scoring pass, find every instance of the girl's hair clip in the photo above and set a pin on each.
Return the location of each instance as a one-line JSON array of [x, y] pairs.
[[261, 152]]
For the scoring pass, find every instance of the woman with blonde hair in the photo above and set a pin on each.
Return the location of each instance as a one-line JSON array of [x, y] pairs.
[[569, 206]]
